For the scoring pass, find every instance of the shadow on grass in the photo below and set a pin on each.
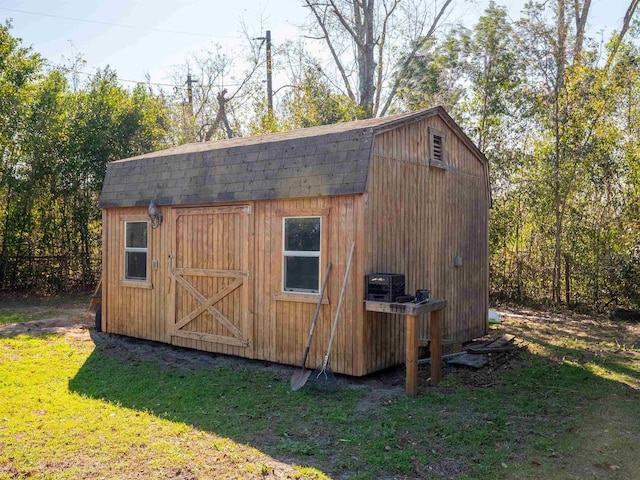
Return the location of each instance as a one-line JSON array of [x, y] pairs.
[[249, 402], [595, 354], [364, 431]]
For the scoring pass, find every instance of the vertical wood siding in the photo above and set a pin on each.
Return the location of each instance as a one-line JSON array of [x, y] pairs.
[[280, 322], [127, 308], [418, 218]]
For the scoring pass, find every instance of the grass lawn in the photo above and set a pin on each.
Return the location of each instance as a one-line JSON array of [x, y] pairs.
[[101, 406]]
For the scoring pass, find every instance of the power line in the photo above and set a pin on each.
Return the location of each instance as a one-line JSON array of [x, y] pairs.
[[162, 30], [89, 74], [130, 81], [144, 82]]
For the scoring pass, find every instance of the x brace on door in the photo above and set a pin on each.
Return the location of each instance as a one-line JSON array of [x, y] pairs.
[[206, 304]]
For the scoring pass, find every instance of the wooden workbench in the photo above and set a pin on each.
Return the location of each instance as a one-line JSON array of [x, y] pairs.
[[411, 312]]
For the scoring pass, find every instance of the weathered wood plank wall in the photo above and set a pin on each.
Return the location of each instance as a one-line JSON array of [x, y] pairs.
[[132, 308], [418, 218], [280, 322], [283, 320]]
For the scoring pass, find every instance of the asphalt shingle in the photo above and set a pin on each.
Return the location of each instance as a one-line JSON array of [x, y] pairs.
[[327, 160]]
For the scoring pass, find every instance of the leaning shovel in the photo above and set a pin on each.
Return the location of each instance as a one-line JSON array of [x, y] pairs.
[[300, 377]]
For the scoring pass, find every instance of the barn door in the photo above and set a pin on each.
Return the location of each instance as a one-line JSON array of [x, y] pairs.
[[209, 269]]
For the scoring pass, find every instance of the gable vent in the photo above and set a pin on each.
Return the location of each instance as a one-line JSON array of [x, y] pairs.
[[437, 157], [437, 148]]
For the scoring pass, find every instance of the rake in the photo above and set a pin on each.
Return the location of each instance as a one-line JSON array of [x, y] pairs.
[[324, 372]]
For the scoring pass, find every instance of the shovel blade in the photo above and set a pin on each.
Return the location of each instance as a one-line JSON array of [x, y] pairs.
[[299, 378]]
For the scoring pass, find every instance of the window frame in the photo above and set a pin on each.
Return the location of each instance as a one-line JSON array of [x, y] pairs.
[[301, 254], [136, 282], [276, 228]]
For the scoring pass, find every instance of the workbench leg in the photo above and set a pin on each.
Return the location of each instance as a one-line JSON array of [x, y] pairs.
[[411, 355], [435, 331]]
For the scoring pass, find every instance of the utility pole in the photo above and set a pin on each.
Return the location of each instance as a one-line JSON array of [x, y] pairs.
[[269, 70], [267, 39], [190, 81]]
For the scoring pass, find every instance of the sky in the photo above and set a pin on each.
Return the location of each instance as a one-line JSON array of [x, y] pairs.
[[136, 37], [140, 37]]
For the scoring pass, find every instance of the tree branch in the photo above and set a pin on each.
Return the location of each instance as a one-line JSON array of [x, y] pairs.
[[381, 43], [625, 26], [357, 36], [334, 54], [407, 61], [221, 117], [581, 22]]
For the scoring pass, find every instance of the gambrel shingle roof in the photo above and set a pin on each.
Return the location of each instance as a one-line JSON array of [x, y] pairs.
[[317, 161]]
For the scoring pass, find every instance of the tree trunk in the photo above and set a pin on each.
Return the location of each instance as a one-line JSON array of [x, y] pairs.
[[560, 59], [567, 279], [364, 14]]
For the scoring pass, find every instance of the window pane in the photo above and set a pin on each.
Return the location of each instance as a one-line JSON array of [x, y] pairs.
[[136, 235], [302, 234], [135, 265], [301, 273]]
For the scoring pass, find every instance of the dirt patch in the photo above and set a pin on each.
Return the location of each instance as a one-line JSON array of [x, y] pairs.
[[445, 469], [375, 398], [73, 323], [598, 336], [9, 470], [379, 387], [486, 377], [177, 358]]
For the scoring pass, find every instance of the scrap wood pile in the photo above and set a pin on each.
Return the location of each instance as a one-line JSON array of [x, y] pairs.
[[493, 353]]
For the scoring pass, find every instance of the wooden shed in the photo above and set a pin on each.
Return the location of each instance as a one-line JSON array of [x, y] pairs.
[[249, 224]]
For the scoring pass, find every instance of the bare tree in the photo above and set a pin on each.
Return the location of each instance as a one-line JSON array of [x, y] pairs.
[[202, 102], [208, 129], [363, 37]]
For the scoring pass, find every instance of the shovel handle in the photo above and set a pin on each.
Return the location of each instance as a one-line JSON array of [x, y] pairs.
[[315, 315], [335, 321]]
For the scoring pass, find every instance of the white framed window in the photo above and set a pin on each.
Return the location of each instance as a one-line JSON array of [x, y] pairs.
[[136, 251], [301, 254]]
